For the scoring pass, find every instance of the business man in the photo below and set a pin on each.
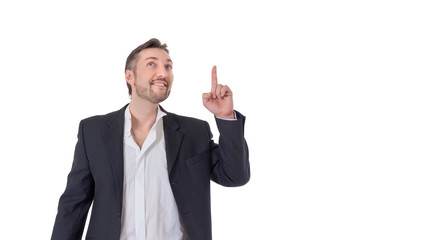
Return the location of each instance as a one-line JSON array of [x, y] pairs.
[[146, 171]]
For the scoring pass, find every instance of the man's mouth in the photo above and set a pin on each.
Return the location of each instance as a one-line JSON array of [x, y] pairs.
[[159, 83]]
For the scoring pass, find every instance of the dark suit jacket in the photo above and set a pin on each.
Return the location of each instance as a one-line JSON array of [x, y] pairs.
[[193, 159]]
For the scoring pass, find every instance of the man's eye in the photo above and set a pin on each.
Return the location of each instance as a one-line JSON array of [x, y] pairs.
[[168, 66], [150, 64]]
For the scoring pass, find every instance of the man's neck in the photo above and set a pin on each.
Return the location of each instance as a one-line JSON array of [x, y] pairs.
[[143, 114]]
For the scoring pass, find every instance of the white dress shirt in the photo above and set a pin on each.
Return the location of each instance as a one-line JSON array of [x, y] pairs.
[[149, 209]]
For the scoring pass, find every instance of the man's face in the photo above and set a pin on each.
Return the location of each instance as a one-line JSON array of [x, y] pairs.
[[153, 75]]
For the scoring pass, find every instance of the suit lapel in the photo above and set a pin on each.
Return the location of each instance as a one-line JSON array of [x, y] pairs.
[[113, 138], [173, 139]]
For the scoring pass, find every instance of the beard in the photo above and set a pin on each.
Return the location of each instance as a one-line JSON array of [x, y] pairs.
[[148, 94]]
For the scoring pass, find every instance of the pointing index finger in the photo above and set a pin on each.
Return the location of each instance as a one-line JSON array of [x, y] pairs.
[[214, 81]]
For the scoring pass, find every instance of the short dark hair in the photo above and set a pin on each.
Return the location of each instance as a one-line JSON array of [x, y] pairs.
[[134, 55]]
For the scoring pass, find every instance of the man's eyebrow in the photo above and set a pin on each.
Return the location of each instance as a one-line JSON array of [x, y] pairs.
[[154, 58]]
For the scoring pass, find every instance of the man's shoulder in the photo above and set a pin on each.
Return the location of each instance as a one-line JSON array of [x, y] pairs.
[[185, 123], [104, 118], [192, 127], [182, 118]]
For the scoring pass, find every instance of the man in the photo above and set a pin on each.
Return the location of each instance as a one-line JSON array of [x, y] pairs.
[[146, 171]]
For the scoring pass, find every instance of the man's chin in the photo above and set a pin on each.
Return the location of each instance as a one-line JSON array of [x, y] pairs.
[[153, 96], [158, 99]]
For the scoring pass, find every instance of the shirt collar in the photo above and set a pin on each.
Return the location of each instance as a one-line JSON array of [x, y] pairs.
[[128, 120]]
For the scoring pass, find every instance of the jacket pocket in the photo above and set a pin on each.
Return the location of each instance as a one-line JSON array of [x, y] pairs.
[[199, 158]]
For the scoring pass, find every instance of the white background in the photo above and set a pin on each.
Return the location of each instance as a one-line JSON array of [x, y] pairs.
[[335, 95]]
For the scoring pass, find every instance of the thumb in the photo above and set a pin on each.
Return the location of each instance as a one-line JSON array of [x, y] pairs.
[[206, 97]]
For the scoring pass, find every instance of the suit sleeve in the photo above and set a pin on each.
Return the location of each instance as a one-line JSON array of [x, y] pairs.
[[78, 195], [230, 157]]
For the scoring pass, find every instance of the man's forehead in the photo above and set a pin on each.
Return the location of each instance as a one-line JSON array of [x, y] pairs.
[[155, 53]]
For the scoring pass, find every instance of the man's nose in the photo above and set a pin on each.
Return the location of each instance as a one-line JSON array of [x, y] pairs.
[[161, 73]]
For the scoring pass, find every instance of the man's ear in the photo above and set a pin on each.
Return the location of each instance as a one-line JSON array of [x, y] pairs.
[[130, 77]]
